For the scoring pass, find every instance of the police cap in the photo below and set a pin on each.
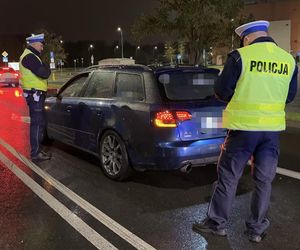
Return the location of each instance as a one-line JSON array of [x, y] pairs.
[[36, 38], [249, 28]]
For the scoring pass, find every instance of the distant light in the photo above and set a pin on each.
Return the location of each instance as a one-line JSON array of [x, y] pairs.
[[119, 29], [91, 46], [155, 47], [61, 41], [138, 47], [117, 47]]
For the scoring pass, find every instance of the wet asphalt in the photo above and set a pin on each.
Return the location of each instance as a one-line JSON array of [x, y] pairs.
[[158, 207]]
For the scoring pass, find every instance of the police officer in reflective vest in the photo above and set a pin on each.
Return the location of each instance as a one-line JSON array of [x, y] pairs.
[[257, 81], [33, 77]]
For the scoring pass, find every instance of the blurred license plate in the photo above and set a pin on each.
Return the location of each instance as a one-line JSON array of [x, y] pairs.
[[211, 122]]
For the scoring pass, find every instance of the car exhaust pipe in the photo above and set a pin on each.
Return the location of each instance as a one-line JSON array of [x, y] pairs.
[[187, 167]]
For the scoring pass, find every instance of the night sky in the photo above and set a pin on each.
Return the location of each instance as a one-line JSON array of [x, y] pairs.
[[74, 20]]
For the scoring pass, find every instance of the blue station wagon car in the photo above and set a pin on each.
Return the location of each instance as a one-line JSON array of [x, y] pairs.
[[136, 117]]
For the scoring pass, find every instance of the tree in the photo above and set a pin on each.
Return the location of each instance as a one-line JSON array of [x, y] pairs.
[[53, 43], [181, 50], [169, 52], [201, 23]]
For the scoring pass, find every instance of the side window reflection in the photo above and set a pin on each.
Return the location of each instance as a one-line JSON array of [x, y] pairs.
[[74, 88]]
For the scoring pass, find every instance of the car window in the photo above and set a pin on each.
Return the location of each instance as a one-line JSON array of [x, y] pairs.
[[187, 85], [100, 85], [74, 88], [129, 87]]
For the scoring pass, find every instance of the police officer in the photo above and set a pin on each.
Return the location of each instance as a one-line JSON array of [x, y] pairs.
[[257, 81], [33, 77]]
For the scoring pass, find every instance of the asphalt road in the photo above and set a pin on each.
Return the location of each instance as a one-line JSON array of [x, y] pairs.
[[61, 205]]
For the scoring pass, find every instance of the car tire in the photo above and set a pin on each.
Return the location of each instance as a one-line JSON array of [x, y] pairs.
[[113, 156]]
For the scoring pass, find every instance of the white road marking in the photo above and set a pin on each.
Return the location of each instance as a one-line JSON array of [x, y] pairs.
[[289, 173], [92, 210], [84, 229]]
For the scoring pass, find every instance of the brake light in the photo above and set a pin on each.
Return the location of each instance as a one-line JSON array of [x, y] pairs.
[[16, 74], [17, 93], [183, 116], [167, 119]]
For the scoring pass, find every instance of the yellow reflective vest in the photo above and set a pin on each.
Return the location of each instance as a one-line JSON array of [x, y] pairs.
[[258, 102], [28, 79]]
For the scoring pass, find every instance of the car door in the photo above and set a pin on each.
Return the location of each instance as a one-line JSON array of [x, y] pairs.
[[59, 110], [91, 113], [131, 111]]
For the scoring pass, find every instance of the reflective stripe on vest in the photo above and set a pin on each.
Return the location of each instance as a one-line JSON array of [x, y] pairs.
[[261, 91], [28, 79]]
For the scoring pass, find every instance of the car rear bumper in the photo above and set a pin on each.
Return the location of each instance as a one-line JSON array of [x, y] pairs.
[[175, 155]]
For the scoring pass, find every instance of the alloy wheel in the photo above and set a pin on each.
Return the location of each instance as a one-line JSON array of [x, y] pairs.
[[111, 155]]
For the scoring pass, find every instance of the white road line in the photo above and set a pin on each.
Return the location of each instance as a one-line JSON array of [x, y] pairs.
[[92, 210], [84, 229], [288, 173]]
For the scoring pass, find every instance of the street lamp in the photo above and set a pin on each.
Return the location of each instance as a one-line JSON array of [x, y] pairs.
[[91, 52], [232, 34], [154, 52], [121, 32], [137, 49], [75, 64], [116, 48]]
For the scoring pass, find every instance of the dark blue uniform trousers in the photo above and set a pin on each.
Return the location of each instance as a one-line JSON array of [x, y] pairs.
[[37, 122], [238, 148]]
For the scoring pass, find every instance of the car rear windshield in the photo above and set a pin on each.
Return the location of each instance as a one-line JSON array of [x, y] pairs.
[[185, 85]]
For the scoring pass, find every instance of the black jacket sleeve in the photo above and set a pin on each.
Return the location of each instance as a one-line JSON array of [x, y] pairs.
[[32, 63], [226, 83], [293, 86]]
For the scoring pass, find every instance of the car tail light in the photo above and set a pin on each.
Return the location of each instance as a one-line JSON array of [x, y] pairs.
[[167, 119], [183, 116], [17, 93], [16, 74]]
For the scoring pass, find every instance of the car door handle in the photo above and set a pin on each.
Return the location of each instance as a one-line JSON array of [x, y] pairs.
[[99, 113], [69, 108]]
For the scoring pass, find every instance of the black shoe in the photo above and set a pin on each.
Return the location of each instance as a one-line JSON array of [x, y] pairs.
[[41, 156], [256, 238], [204, 227]]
